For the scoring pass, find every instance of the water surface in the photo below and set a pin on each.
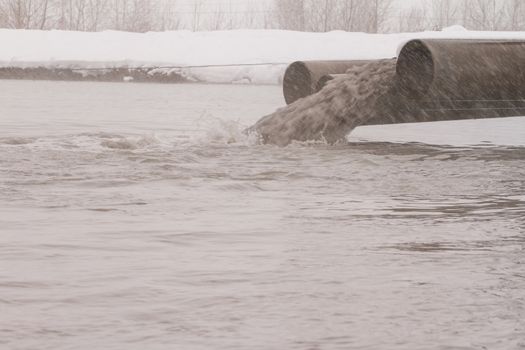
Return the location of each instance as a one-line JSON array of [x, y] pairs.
[[139, 217]]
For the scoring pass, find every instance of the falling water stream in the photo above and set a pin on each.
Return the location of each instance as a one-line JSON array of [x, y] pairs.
[[332, 113]]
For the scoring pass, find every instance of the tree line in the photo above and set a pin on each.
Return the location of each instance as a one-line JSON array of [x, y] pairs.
[[372, 16], [472, 14]]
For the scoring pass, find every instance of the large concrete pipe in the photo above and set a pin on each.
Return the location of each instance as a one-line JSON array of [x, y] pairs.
[[446, 79], [436, 79], [301, 78], [462, 69]]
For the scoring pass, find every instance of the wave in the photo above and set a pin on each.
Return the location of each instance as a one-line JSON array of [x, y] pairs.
[[16, 140]]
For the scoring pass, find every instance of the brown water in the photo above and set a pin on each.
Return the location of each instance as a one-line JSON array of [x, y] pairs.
[[140, 217], [335, 111]]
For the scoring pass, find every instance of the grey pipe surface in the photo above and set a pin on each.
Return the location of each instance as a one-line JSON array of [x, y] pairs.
[[301, 77], [452, 79], [453, 69], [436, 79]]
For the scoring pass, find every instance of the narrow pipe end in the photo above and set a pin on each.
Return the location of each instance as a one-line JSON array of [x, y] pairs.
[[297, 82]]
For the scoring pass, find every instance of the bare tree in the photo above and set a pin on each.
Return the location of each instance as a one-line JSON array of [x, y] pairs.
[[252, 16], [196, 14], [95, 13], [167, 16], [305, 15], [140, 16], [380, 10], [348, 14], [515, 14], [444, 13], [327, 15], [413, 19], [218, 20], [26, 14], [290, 14], [17, 13], [118, 8], [485, 14], [4, 18]]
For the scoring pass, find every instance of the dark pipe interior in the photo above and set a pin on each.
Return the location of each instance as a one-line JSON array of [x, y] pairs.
[[415, 69], [297, 82]]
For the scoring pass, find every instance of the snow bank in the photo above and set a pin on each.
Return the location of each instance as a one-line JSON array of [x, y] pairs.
[[272, 49]]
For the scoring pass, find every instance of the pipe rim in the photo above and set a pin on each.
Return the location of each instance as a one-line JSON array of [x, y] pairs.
[[415, 69], [297, 82]]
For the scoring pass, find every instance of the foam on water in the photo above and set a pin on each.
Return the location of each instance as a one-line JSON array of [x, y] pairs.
[[223, 131], [16, 140]]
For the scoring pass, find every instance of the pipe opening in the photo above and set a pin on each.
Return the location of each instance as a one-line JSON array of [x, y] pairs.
[[415, 69], [297, 82]]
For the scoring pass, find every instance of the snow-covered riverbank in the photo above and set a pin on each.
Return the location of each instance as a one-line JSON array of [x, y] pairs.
[[261, 55]]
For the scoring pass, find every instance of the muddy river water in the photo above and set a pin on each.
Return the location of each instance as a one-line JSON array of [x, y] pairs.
[[139, 216]]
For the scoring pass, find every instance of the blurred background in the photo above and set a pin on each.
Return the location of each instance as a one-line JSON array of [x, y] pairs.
[[372, 16]]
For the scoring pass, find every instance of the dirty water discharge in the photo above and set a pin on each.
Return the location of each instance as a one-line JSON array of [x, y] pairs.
[[345, 103]]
